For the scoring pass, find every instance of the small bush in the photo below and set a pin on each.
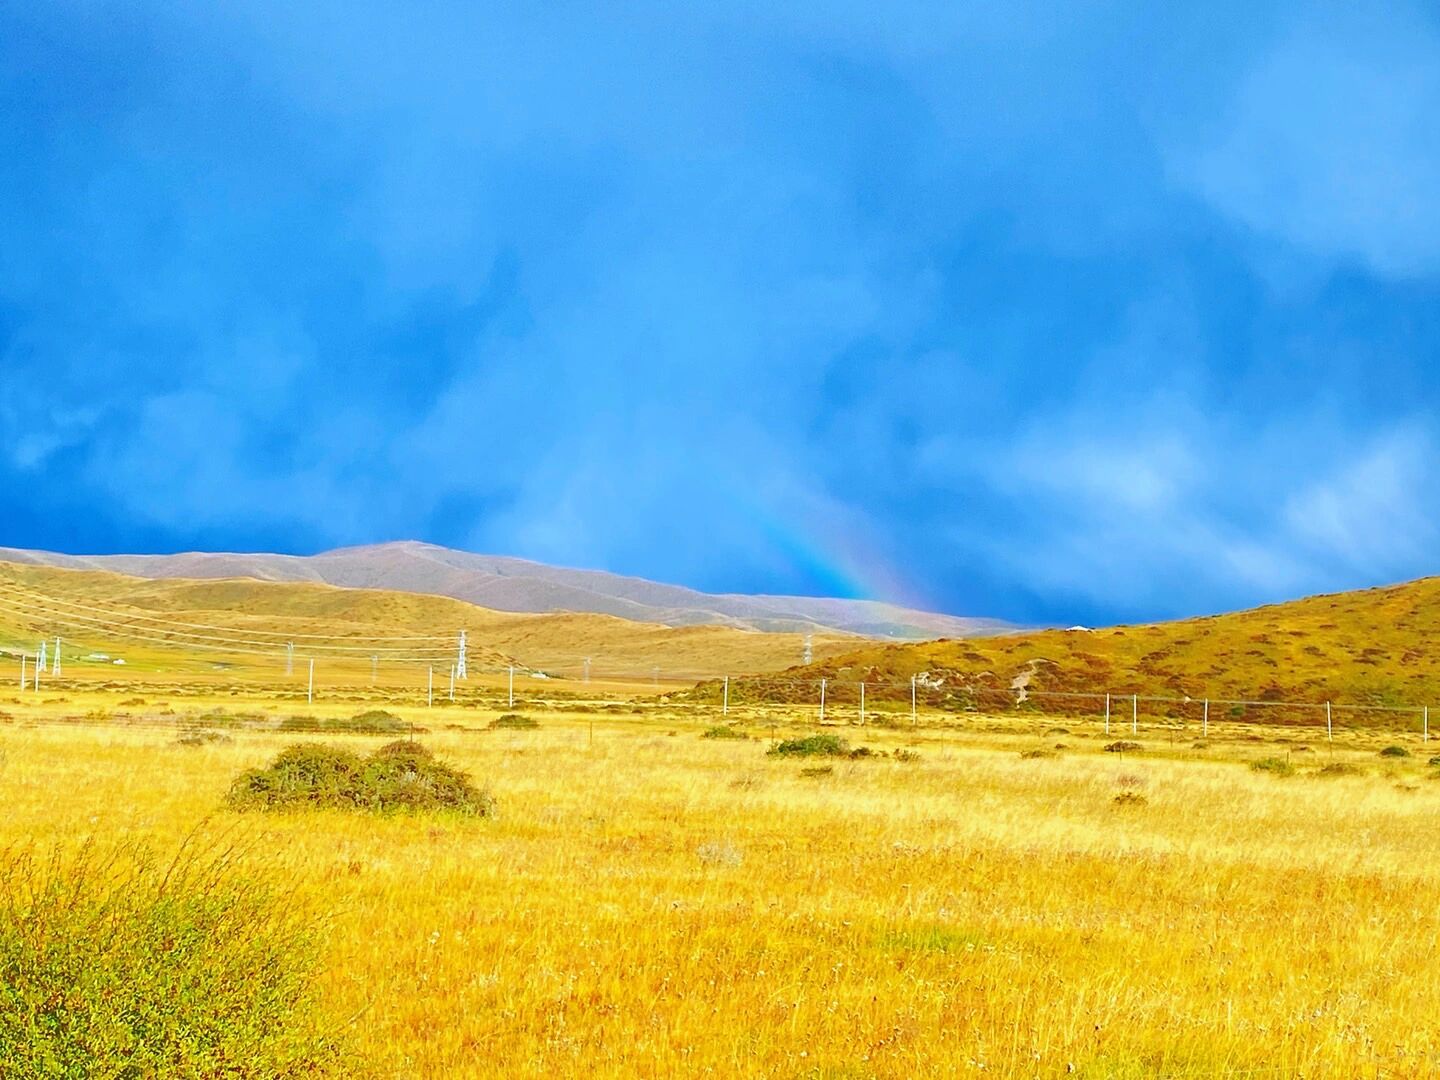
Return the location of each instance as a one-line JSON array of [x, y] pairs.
[[118, 964], [817, 771], [723, 731], [1039, 752], [1275, 766], [1435, 761], [1340, 768], [203, 738], [1123, 747], [398, 776], [1130, 798], [513, 722], [907, 756], [812, 746], [1394, 752], [373, 722]]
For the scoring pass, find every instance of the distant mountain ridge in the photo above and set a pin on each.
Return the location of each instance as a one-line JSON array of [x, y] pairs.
[[504, 583]]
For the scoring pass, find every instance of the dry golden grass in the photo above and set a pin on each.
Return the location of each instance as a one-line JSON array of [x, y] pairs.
[[558, 642], [652, 903]]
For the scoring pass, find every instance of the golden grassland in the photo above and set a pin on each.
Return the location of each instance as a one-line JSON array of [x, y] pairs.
[[651, 902], [1363, 648], [83, 606]]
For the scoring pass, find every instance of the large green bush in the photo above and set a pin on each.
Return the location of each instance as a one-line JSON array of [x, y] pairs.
[[119, 965], [398, 776]]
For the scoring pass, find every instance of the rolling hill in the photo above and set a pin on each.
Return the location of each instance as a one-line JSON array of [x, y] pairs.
[[517, 585], [245, 621], [1371, 648]]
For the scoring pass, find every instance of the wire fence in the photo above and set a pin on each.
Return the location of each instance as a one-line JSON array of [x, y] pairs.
[[435, 669]]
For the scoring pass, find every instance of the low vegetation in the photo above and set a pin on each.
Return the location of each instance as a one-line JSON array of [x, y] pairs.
[[398, 776], [811, 746], [514, 722], [115, 963]]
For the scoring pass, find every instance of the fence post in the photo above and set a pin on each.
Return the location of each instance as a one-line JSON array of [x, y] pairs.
[[725, 701], [1205, 721], [913, 720], [1329, 724], [1134, 714], [822, 701], [862, 704]]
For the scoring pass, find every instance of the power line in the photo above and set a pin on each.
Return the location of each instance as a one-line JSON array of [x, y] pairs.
[[133, 613], [121, 623]]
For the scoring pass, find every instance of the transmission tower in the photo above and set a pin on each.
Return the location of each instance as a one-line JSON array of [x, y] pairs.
[[41, 664], [460, 672], [809, 649]]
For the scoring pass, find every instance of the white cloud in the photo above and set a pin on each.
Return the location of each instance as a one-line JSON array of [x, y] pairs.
[[1330, 142]]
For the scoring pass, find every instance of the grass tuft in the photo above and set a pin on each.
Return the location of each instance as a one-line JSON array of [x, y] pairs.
[[114, 963]]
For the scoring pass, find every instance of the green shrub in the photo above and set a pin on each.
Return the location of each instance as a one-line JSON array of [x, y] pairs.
[[513, 722], [398, 776], [1340, 768], [908, 756], [1130, 798], [723, 731], [1123, 747], [817, 771], [812, 746], [1276, 766], [1435, 761], [119, 965], [1395, 752], [372, 722], [1037, 753]]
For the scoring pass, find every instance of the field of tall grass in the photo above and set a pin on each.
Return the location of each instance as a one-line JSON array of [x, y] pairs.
[[992, 899]]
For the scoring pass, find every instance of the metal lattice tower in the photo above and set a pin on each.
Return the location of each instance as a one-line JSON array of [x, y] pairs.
[[460, 672], [41, 664], [809, 649]]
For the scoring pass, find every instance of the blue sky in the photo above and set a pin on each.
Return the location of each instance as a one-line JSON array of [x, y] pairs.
[[1117, 313]]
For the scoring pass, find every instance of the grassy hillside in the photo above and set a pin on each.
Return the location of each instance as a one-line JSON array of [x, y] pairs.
[[136, 619], [1372, 647]]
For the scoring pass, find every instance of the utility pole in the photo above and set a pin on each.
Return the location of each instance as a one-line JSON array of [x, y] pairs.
[[310, 694], [587, 669], [862, 704], [461, 672], [822, 701], [374, 669], [289, 658], [452, 684], [512, 686], [725, 701], [23, 659], [430, 691], [55, 663]]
